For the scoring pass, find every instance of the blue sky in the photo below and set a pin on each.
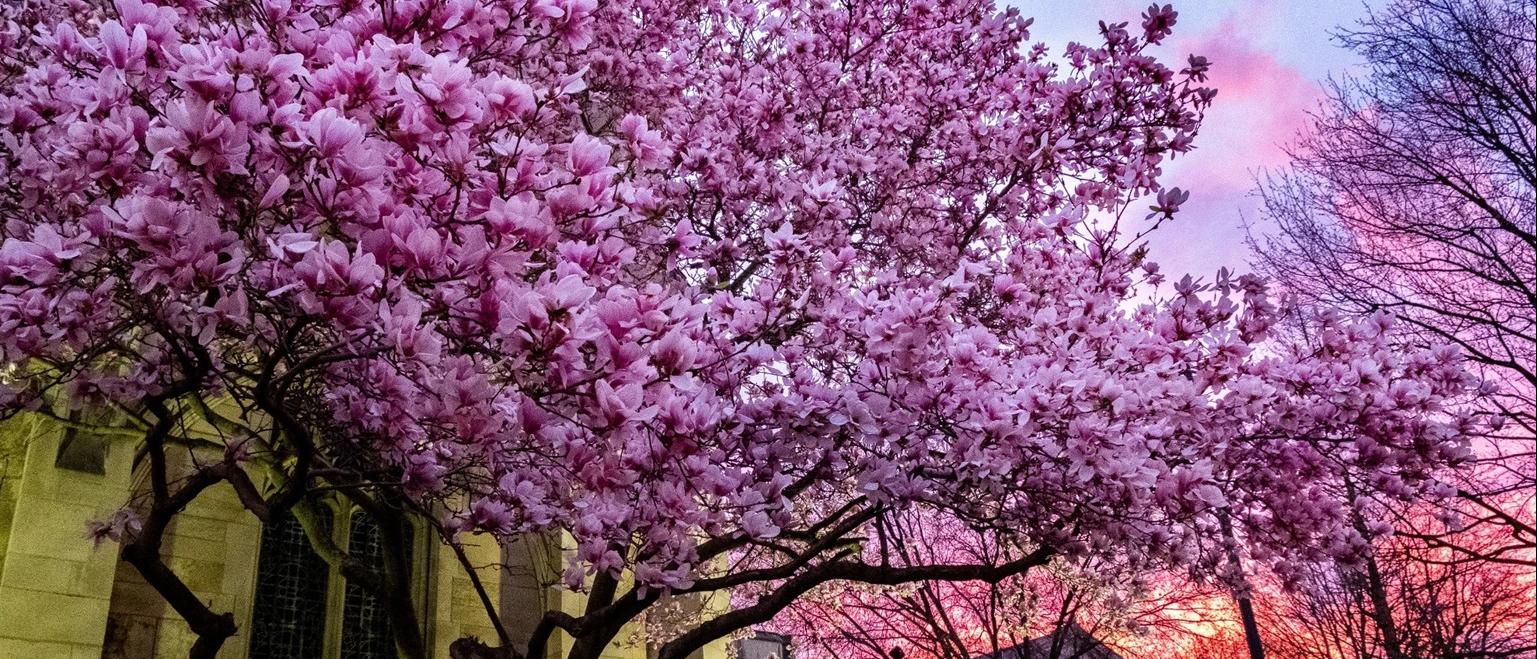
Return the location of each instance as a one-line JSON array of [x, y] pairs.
[[1269, 62]]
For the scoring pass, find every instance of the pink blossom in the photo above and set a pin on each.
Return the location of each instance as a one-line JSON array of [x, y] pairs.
[[122, 50], [561, 270], [589, 155], [123, 523]]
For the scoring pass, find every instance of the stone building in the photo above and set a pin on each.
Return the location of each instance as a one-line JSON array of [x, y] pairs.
[[61, 597]]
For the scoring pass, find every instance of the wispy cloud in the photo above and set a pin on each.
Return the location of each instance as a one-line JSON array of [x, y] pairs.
[[1269, 63], [1261, 106]]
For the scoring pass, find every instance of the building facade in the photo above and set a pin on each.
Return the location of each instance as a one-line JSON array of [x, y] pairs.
[[63, 597]]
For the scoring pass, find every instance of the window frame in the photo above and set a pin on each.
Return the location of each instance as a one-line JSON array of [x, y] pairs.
[[342, 512]]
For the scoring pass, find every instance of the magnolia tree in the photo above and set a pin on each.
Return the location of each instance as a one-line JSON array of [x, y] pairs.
[[708, 286]]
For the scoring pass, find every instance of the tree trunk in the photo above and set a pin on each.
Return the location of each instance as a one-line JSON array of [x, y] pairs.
[[1376, 590], [143, 550], [591, 644], [1250, 627], [395, 581], [472, 648], [1382, 613], [212, 629], [1245, 606]]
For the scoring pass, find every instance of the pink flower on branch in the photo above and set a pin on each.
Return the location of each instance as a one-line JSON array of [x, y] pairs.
[[656, 284]]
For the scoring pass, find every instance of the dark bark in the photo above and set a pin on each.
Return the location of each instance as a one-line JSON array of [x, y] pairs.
[[597, 634], [1251, 635], [839, 569], [391, 582], [472, 648], [1376, 590], [212, 628], [1382, 613], [1250, 626], [548, 625], [143, 549], [404, 621]]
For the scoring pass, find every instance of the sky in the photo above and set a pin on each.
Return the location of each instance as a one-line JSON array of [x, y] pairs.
[[1270, 60]]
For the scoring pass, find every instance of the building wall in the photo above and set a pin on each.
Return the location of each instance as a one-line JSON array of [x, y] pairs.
[[211, 546], [55, 586], [456, 608], [13, 456], [63, 598]]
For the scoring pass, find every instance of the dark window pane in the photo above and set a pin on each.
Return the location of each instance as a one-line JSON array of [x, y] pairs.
[[365, 622], [80, 449], [288, 618], [764, 645], [84, 451]]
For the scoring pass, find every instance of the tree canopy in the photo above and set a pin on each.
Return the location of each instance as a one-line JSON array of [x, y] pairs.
[[707, 285]]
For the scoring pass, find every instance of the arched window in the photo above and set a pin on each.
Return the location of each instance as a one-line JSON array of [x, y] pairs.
[[294, 613], [366, 630], [288, 615]]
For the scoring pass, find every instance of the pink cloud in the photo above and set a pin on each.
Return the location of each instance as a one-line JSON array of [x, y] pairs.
[[1261, 105]]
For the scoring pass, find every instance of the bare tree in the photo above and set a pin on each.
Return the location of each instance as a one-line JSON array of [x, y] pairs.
[[1414, 192], [1440, 607], [1065, 610]]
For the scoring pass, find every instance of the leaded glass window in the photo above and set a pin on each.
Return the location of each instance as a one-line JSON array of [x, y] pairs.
[[288, 617], [366, 632]]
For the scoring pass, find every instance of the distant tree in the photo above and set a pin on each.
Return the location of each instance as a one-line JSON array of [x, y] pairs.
[[1413, 192], [1113, 603], [1441, 607]]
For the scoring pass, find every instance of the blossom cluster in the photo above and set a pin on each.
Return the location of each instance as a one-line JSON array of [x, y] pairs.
[[651, 272]]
